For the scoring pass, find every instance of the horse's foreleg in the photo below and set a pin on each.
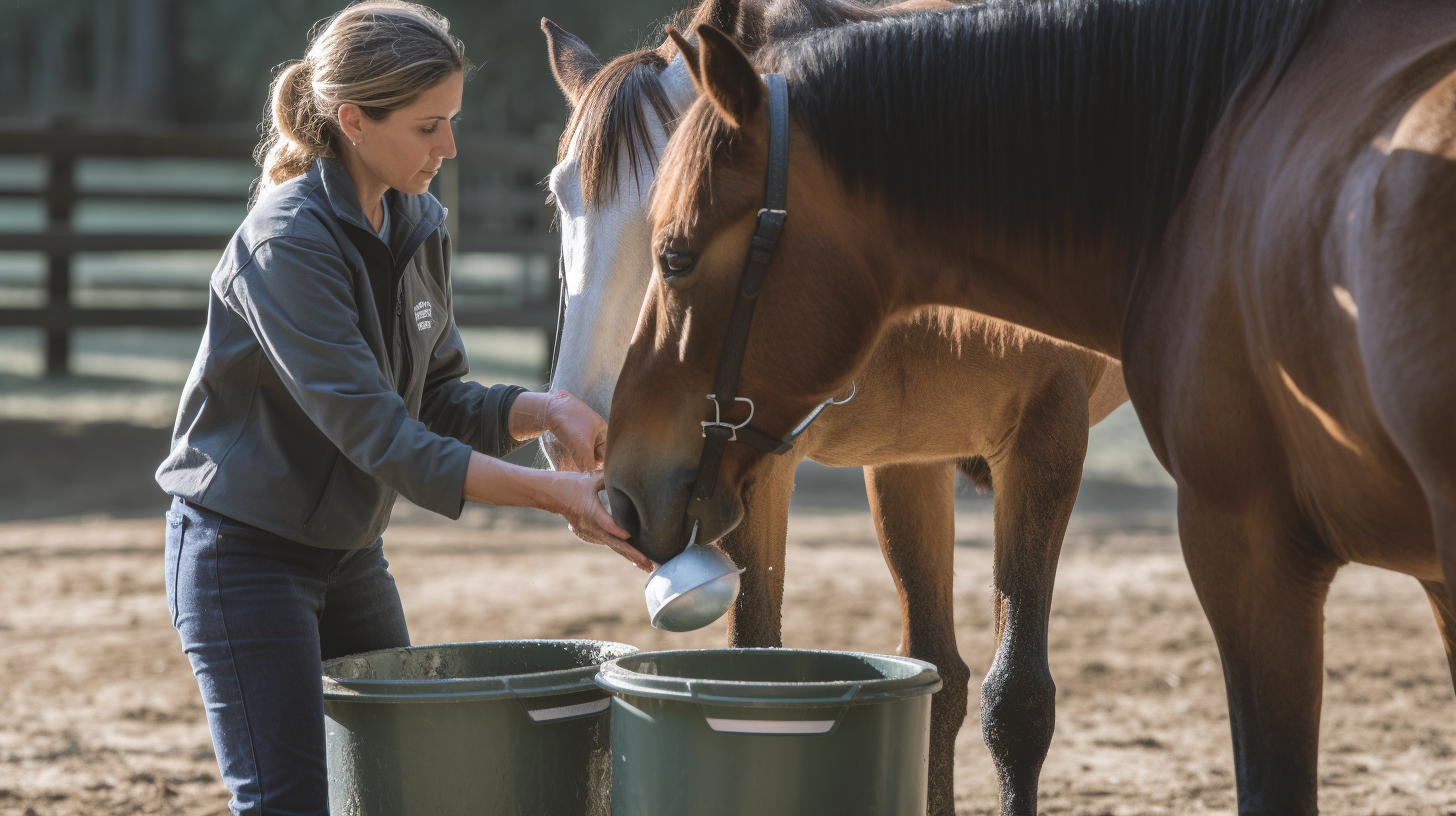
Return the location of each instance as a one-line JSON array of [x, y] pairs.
[[1036, 483], [757, 545], [914, 511], [1264, 595], [1440, 599]]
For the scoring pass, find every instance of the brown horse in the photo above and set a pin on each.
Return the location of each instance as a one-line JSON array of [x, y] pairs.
[[1248, 202], [946, 388]]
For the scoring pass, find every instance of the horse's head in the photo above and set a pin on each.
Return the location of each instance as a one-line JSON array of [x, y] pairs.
[[621, 116], [605, 168], [622, 113], [816, 317]]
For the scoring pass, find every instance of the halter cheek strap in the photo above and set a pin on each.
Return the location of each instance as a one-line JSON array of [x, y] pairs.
[[717, 433]]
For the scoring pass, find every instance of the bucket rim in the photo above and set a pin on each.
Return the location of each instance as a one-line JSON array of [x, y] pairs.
[[921, 678], [470, 689]]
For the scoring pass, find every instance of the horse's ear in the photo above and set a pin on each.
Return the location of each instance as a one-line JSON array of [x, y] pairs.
[[727, 77], [572, 61], [689, 54]]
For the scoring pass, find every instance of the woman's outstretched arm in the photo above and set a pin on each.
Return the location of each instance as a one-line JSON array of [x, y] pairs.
[[570, 495]]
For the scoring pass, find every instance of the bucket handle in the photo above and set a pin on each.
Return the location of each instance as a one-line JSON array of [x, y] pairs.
[[569, 712], [802, 728], [707, 697], [830, 709], [549, 708]]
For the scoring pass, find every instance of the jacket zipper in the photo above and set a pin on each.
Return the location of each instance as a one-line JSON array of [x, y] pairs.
[[404, 363], [406, 366]]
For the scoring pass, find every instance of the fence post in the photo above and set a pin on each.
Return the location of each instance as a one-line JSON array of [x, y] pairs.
[[60, 202]]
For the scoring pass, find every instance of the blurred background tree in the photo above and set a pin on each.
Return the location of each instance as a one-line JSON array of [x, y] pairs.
[[209, 62]]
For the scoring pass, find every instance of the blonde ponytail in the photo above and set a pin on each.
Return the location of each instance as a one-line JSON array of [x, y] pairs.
[[293, 140], [380, 55]]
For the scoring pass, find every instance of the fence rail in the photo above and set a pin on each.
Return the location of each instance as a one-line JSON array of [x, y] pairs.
[[518, 219]]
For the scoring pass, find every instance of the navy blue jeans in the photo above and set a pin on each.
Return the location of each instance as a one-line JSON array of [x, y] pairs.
[[257, 613]]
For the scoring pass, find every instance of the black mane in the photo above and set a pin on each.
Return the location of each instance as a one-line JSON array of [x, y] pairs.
[[611, 121], [1043, 116]]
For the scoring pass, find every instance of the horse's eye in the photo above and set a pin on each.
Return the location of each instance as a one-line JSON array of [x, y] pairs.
[[676, 264]]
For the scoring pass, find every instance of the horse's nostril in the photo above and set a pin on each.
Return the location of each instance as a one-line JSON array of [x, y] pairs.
[[625, 513]]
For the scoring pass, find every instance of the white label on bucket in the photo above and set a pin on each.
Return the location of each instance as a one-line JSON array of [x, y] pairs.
[[770, 726], [562, 712]]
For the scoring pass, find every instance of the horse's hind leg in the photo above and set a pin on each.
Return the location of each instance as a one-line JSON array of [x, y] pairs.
[[1440, 599], [757, 545], [1036, 480], [914, 510], [1404, 294], [1263, 592]]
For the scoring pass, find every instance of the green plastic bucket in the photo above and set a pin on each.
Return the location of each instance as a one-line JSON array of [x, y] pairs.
[[769, 732], [506, 727]]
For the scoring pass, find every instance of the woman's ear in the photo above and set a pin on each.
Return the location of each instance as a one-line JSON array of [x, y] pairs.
[[351, 122]]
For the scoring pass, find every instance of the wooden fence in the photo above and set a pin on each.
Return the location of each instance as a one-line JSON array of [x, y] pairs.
[[502, 210]]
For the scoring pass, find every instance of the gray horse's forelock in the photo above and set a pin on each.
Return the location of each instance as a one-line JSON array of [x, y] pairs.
[[611, 120]]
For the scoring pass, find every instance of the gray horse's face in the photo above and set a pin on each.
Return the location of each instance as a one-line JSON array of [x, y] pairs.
[[606, 254]]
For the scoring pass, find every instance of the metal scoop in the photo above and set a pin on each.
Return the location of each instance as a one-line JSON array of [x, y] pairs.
[[693, 589]]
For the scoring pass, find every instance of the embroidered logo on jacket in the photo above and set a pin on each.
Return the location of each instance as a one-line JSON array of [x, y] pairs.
[[423, 313]]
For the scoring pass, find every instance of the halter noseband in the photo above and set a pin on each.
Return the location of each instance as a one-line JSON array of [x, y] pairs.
[[717, 433]]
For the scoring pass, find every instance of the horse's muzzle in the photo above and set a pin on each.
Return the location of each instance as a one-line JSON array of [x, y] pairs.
[[659, 516]]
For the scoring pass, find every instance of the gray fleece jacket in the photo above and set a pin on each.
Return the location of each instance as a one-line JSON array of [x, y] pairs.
[[328, 379]]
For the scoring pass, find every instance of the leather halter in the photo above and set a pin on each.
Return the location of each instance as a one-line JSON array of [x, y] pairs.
[[560, 319], [717, 433]]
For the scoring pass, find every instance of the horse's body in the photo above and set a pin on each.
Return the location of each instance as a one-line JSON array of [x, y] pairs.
[[1247, 202], [948, 386]]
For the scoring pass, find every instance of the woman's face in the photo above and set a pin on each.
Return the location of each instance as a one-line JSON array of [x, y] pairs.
[[404, 149]]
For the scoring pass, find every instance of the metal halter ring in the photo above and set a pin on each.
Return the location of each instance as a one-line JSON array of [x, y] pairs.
[[853, 389], [718, 417]]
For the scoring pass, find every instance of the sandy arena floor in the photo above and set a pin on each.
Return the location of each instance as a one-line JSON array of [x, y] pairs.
[[100, 714]]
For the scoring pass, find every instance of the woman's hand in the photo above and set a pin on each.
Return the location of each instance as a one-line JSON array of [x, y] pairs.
[[580, 433], [578, 440], [574, 497]]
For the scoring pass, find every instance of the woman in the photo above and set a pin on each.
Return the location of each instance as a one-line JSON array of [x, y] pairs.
[[328, 382]]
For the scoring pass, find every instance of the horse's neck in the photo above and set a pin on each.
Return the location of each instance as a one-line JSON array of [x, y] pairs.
[[1079, 296], [1048, 146], [785, 19]]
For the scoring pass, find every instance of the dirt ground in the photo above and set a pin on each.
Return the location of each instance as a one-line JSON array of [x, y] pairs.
[[100, 714]]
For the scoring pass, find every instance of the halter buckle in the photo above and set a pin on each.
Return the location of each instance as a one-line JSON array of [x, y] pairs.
[[717, 421]]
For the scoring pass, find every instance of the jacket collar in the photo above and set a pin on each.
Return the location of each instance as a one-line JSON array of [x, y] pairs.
[[412, 217]]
